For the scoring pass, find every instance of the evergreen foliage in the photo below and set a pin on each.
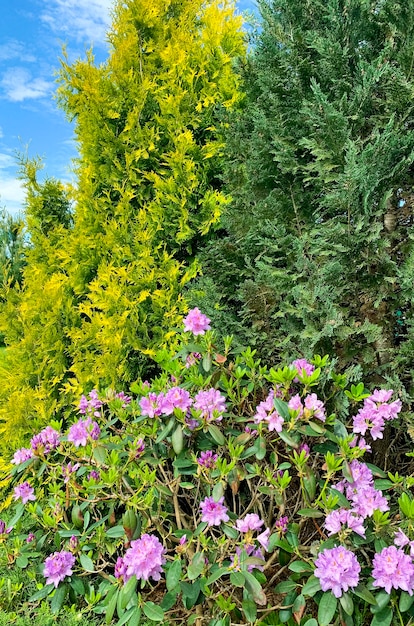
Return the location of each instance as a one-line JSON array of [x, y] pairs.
[[104, 286], [316, 253]]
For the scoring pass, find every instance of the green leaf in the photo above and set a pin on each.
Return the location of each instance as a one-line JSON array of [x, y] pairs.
[[311, 586], [221, 571], [285, 586], [196, 567], [216, 434], [282, 408], [58, 598], [249, 610], [173, 574], [127, 616], [261, 449], [314, 513], [177, 440], [115, 532], [218, 491], [382, 600], [19, 512], [77, 585], [327, 608], [255, 589], [383, 617], [405, 602], [22, 561], [288, 439], [165, 431], [135, 618], [298, 604], [87, 563], [362, 592], [347, 603], [300, 566], [127, 592], [42, 593], [153, 612], [237, 579], [110, 609], [169, 600], [100, 454]]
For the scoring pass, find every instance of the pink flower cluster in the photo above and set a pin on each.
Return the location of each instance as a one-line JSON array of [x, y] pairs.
[[344, 517], [312, 407], [209, 402], [338, 570], [196, 322], [266, 412], [393, 569], [213, 512], [83, 431], [58, 566], [92, 405], [375, 412], [144, 559], [24, 491], [44, 442], [302, 366], [361, 493], [207, 459]]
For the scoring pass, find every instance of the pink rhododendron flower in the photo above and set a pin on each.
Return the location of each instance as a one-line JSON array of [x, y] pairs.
[[393, 569], [338, 570], [151, 404], [144, 558], [251, 522], [25, 492], [192, 359], [344, 517], [295, 404], [315, 406], [22, 455], [44, 442], [250, 551], [213, 512], [401, 539], [196, 322], [365, 499], [207, 459], [176, 398], [58, 566], [263, 538], [68, 470], [302, 366], [281, 525], [375, 412], [83, 431], [211, 404], [266, 411]]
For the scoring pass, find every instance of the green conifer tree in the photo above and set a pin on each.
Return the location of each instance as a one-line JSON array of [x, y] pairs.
[[316, 253], [147, 122]]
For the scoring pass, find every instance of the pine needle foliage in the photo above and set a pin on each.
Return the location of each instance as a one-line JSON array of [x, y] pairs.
[[316, 252], [147, 193]]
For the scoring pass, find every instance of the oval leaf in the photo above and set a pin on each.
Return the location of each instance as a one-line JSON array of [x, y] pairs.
[[154, 612], [327, 608]]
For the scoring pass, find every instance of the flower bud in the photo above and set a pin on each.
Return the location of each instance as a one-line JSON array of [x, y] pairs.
[[77, 516], [129, 522]]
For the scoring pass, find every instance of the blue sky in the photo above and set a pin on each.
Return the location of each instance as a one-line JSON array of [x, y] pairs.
[[32, 33]]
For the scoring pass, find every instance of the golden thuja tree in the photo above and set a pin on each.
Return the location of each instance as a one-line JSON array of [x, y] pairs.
[[149, 132]]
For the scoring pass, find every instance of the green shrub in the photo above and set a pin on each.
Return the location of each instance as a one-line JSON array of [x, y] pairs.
[[223, 478]]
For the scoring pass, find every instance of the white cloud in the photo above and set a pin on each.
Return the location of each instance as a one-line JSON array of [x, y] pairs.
[[14, 49], [18, 84], [84, 20], [12, 193]]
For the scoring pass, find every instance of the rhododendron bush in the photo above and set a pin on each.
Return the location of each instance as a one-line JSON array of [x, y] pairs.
[[225, 491]]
